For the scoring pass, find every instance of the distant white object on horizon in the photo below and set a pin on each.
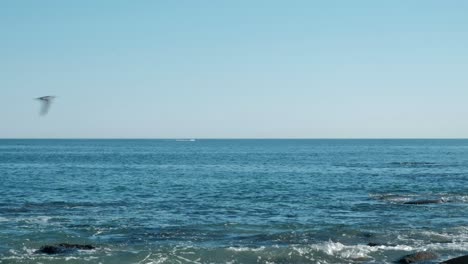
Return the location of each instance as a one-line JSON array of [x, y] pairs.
[[46, 101], [186, 139]]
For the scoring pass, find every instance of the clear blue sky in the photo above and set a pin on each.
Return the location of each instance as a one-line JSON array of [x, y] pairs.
[[234, 69]]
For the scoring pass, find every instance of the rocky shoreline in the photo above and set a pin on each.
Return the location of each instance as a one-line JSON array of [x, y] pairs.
[[417, 257]]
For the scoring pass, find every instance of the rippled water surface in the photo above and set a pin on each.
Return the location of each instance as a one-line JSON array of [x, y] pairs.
[[233, 201]]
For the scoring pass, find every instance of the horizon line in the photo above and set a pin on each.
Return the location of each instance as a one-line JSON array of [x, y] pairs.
[[234, 138]]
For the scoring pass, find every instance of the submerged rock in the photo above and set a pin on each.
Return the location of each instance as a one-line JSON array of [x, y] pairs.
[[459, 260], [417, 257], [374, 244], [63, 248]]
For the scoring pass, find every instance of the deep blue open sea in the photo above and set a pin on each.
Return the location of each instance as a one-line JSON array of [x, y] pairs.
[[233, 201]]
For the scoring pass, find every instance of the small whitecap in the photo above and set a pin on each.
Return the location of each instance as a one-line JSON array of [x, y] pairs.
[[242, 249]]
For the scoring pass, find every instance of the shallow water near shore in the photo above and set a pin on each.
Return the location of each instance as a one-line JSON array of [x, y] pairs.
[[233, 201]]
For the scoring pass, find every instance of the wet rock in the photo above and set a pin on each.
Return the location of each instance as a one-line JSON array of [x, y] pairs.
[[63, 248], [436, 201], [459, 260], [417, 257]]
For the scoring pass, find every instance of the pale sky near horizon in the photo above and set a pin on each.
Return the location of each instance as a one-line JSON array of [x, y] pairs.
[[234, 69]]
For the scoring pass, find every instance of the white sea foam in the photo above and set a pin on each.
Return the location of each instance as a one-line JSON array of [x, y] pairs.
[[348, 252], [242, 249], [143, 260], [186, 260], [98, 232], [42, 220], [393, 197], [456, 198], [402, 198], [29, 251], [460, 246]]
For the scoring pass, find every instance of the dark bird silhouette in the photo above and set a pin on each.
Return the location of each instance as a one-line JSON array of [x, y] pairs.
[[46, 101]]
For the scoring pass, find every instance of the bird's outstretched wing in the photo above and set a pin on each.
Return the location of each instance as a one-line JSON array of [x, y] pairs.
[[45, 101]]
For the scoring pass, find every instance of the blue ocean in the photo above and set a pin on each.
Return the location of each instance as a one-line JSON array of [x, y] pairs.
[[233, 201]]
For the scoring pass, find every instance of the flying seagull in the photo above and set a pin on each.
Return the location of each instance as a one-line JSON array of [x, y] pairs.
[[46, 101]]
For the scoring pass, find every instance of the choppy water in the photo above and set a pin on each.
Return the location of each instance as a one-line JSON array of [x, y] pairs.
[[233, 201]]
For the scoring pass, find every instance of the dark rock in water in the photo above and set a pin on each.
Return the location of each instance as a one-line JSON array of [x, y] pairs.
[[459, 260], [438, 201], [63, 248], [417, 257], [49, 250]]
